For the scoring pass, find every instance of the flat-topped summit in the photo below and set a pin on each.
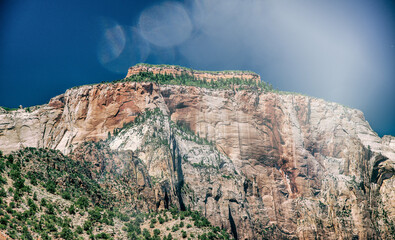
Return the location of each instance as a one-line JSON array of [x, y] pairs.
[[201, 75]]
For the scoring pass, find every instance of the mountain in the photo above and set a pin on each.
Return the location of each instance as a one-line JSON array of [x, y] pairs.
[[256, 162]]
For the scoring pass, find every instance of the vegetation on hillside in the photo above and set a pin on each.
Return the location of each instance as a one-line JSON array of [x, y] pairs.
[[194, 70], [189, 80], [8, 109], [46, 195]]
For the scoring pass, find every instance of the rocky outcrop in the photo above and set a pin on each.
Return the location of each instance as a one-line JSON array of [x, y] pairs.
[[86, 113], [260, 164], [200, 75]]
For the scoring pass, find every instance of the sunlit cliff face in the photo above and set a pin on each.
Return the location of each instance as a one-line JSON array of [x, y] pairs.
[[336, 50], [342, 51], [260, 163]]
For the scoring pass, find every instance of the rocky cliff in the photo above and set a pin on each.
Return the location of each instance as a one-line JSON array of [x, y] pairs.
[[259, 164], [200, 75]]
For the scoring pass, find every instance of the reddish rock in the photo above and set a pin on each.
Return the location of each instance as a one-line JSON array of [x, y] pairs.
[[308, 168]]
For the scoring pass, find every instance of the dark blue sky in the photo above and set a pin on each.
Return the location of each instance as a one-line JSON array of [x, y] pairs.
[[342, 51]]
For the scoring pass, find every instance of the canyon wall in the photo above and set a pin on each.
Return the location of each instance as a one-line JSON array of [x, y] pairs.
[[272, 165]]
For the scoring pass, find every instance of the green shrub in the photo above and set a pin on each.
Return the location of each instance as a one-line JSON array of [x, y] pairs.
[[43, 202], [102, 236], [51, 186], [66, 195], [83, 202], [10, 159], [146, 234], [19, 183], [35, 196], [33, 207], [107, 219], [4, 221], [79, 230], [3, 193], [2, 180], [50, 226], [71, 209], [87, 225], [2, 165], [26, 234], [32, 177], [94, 215], [169, 237], [156, 232], [124, 218], [44, 236], [66, 234], [175, 228], [50, 209]]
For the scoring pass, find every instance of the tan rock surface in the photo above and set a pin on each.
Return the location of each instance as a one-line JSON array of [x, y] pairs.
[[288, 166], [201, 75]]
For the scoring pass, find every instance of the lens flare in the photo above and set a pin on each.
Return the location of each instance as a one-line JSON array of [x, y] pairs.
[[165, 25], [112, 42], [135, 49]]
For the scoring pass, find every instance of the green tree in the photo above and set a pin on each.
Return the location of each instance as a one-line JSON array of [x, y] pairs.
[[87, 225], [169, 237], [66, 195], [184, 234], [71, 209], [146, 234], [50, 209], [94, 215], [43, 202], [26, 234], [83, 202], [67, 234], [51, 186], [19, 183], [156, 232]]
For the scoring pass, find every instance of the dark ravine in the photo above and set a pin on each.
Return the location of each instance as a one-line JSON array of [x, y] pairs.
[[232, 225], [177, 160], [270, 163]]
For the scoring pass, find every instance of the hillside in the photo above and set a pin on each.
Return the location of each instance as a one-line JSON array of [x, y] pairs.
[[46, 195], [256, 163]]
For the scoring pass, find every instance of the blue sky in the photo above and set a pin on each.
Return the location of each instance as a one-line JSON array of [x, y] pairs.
[[341, 51]]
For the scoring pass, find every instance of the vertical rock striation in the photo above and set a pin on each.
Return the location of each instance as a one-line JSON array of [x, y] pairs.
[[262, 165]]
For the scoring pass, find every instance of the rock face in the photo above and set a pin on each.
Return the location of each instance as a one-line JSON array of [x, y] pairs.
[[260, 164], [81, 114], [201, 75]]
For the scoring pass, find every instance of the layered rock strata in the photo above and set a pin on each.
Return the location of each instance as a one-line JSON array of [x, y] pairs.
[[271, 165], [199, 75]]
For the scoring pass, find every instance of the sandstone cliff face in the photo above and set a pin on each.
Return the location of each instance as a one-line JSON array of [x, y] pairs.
[[81, 114], [274, 166], [296, 152], [201, 75]]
